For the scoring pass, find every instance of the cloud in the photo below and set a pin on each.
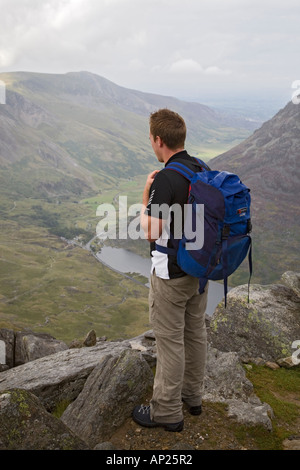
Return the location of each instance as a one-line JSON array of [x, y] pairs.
[[214, 70], [188, 66], [155, 46]]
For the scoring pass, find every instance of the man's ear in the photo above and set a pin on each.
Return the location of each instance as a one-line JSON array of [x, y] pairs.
[[159, 141]]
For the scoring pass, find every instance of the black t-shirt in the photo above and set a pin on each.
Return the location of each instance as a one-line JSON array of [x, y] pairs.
[[169, 188]]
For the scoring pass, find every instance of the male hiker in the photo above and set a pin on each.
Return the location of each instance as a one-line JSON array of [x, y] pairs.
[[177, 310]]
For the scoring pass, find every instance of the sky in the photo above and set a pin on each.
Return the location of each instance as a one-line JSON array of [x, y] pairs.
[[193, 49]]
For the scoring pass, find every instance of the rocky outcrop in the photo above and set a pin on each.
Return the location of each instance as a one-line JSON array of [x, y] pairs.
[[103, 383], [99, 384], [226, 382], [26, 425], [292, 280], [30, 346], [108, 397], [265, 327], [60, 376], [26, 346]]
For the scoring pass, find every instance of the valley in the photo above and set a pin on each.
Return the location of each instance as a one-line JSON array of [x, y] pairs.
[[69, 143]]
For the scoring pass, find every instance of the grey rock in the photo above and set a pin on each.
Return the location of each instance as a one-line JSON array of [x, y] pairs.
[[26, 425], [292, 280], [109, 395], [291, 444], [272, 365], [251, 413], [30, 346], [60, 376], [225, 377], [226, 381], [288, 362], [147, 345], [182, 446], [105, 446], [90, 339], [266, 327], [75, 375]]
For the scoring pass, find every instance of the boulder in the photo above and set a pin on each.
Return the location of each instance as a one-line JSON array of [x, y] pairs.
[[26, 425], [292, 280], [30, 346], [108, 397], [266, 327], [287, 362], [225, 377], [226, 382], [17, 348], [60, 376], [88, 341], [251, 413]]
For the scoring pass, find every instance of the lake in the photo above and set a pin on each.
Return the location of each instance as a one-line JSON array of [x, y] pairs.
[[125, 261]]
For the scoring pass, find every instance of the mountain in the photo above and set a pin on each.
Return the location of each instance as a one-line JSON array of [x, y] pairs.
[[71, 142], [77, 132], [269, 163], [67, 144]]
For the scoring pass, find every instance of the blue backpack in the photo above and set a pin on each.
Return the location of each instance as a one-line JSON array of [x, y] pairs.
[[227, 225]]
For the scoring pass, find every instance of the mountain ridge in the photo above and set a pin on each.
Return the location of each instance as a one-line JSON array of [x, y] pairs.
[[75, 132]]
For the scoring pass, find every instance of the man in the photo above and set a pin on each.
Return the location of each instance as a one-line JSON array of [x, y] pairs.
[[177, 310]]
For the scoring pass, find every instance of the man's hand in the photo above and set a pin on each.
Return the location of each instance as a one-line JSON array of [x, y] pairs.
[[152, 226], [149, 181]]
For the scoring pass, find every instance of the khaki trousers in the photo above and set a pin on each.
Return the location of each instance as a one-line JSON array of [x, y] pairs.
[[177, 316]]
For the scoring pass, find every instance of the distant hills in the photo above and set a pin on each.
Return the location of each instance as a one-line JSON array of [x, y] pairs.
[[269, 163], [72, 133], [71, 142], [67, 144]]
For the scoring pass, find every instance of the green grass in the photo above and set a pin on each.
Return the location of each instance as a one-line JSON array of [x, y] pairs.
[[280, 389], [49, 286]]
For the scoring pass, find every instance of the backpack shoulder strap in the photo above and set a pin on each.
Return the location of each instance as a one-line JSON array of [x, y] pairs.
[[203, 165], [181, 169], [185, 170]]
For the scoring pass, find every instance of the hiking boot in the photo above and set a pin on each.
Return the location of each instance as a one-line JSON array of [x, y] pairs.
[[193, 410], [141, 415]]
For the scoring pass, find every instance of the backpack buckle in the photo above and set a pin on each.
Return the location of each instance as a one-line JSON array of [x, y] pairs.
[[225, 232], [249, 226]]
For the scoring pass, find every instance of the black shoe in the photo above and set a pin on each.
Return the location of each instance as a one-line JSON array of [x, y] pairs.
[[193, 410], [141, 415]]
